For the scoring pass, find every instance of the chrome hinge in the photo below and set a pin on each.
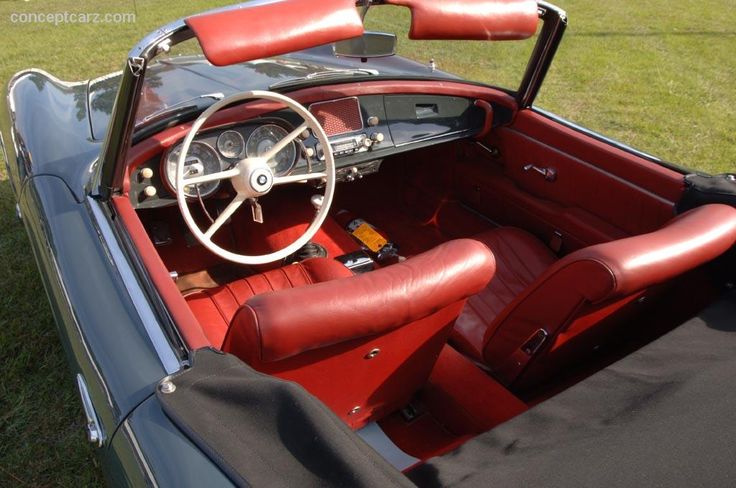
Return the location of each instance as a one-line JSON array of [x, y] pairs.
[[136, 65], [95, 435]]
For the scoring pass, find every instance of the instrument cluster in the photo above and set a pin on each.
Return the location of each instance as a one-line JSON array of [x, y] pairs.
[[220, 150]]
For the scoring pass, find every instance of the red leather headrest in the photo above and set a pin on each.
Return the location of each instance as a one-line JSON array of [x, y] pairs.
[[484, 20], [283, 324], [266, 29], [636, 263]]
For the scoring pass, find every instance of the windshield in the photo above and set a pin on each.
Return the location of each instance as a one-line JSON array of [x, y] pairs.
[[179, 79]]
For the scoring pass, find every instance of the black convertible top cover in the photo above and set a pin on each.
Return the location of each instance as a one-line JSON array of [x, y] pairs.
[[663, 416], [263, 431]]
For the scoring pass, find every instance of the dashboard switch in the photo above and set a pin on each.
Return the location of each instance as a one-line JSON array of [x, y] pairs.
[[377, 137], [146, 173], [150, 191]]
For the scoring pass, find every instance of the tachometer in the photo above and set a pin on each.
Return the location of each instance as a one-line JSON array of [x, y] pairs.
[[263, 139], [231, 144], [201, 160]]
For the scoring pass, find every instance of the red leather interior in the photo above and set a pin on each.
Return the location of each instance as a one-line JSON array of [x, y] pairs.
[[215, 307], [651, 177], [266, 29], [600, 193], [458, 402], [520, 259], [492, 20], [581, 291], [320, 335], [287, 213], [464, 399]]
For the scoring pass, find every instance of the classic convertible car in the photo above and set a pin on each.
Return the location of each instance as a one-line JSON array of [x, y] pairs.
[[280, 254]]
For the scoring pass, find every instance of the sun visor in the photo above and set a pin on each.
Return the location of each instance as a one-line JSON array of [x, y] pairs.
[[266, 29], [485, 20]]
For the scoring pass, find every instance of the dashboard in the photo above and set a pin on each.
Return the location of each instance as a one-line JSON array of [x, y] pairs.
[[362, 130]]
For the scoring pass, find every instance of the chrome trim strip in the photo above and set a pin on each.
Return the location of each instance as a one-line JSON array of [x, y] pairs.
[[163, 348], [139, 453], [462, 132]]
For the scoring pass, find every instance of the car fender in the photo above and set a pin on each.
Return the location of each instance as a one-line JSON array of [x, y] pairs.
[[105, 322], [46, 127]]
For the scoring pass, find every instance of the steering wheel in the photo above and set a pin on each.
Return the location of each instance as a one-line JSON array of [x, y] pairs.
[[252, 178]]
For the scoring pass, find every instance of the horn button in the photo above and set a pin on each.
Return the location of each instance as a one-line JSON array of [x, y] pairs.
[[255, 179]]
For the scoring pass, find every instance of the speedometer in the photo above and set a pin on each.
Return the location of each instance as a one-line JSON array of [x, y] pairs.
[[201, 160], [230, 144], [263, 139]]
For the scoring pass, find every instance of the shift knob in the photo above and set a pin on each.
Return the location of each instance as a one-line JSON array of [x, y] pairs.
[[317, 201]]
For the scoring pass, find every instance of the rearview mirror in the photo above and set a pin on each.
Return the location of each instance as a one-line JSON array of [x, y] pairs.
[[369, 45]]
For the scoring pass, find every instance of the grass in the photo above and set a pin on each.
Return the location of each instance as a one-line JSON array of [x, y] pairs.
[[657, 75]]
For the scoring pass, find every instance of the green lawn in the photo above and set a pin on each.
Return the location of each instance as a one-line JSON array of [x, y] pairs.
[[657, 75]]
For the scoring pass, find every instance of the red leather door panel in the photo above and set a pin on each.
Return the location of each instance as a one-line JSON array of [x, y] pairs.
[[600, 192]]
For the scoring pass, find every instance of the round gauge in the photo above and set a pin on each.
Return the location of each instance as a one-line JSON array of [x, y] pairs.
[[263, 139], [230, 144], [201, 160]]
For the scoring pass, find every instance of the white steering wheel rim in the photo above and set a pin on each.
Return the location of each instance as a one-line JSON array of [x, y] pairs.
[[329, 176]]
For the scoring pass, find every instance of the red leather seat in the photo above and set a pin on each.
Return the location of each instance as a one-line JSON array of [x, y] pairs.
[[540, 313], [364, 344], [215, 307]]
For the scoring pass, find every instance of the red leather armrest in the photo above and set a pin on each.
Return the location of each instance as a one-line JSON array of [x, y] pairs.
[[279, 325], [686, 242]]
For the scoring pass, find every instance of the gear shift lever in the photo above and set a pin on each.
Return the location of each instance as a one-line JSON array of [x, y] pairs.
[[317, 201]]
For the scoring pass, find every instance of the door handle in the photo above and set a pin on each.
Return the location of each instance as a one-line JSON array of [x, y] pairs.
[[550, 174], [95, 435]]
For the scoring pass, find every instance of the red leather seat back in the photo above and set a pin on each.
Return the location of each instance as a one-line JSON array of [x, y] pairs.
[[363, 344], [580, 296], [215, 307]]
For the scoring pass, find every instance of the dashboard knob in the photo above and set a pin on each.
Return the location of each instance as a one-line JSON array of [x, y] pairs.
[[146, 173], [377, 137], [309, 152], [373, 121], [367, 142], [150, 191]]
